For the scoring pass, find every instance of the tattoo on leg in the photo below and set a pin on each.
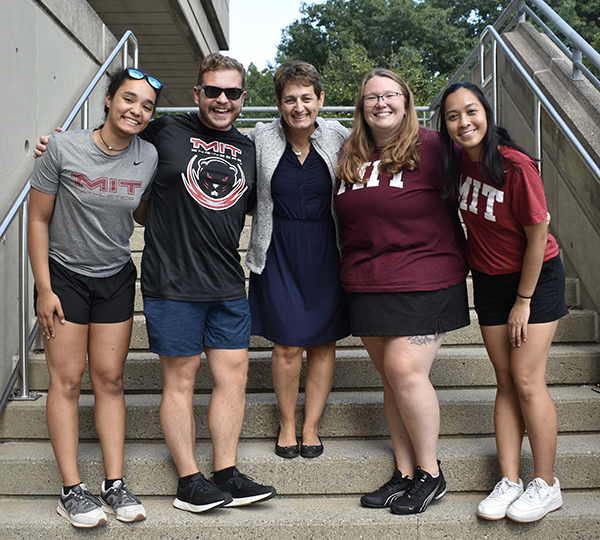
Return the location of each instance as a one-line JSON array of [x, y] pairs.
[[424, 340]]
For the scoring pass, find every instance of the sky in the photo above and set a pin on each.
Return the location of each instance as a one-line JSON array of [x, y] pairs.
[[255, 28]]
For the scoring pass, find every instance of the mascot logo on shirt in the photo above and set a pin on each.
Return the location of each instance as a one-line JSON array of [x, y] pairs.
[[214, 182]]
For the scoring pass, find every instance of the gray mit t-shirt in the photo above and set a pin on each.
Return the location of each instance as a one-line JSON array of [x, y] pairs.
[[96, 194]]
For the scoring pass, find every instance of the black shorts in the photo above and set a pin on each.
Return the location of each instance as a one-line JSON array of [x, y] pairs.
[[419, 313], [495, 295], [88, 300]]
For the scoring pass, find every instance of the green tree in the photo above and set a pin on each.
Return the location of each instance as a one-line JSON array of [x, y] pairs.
[[425, 41], [346, 66], [472, 15], [260, 92], [382, 27], [259, 86]]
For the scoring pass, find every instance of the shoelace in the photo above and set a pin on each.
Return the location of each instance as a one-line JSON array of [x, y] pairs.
[[123, 495], [418, 487], [393, 483], [501, 488], [239, 479], [533, 491], [85, 497]]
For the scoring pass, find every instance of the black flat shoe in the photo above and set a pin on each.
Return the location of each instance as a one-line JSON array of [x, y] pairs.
[[287, 452], [311, 450]]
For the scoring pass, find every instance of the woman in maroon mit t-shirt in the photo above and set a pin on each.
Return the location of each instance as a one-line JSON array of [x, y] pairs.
[[403, 267]]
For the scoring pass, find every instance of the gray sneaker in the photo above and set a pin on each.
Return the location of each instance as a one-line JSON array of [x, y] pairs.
[[120, 501], [80, 508]]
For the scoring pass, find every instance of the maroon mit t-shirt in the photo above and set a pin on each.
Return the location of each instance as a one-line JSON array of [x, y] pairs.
[[398, 235], [495, 217]]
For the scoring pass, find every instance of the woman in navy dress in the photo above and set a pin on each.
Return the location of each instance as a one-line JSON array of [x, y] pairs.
[[296, 298]]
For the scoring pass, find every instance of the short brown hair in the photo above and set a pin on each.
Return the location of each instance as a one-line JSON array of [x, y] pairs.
[[218, 62], [298, 72]]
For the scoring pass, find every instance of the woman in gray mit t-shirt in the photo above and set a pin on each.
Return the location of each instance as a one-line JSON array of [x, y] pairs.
[[86, 190]]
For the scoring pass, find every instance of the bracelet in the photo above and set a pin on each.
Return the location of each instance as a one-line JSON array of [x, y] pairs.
[[524, 297]]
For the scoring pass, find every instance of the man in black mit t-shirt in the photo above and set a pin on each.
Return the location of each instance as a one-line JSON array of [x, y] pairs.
[[193, 283]]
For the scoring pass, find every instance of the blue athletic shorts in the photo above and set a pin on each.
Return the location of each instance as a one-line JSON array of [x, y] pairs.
[[182, 328]]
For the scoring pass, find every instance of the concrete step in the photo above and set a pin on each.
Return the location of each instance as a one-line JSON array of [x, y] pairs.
[[580, 326], [346, 467], [455, 366], [467, 411], [572, 295], [323, 518]]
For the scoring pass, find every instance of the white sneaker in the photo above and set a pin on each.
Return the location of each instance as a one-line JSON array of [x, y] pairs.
[[495, 505], [538, 500]]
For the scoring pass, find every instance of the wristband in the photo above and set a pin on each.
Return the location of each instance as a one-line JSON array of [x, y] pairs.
[[524, 297]]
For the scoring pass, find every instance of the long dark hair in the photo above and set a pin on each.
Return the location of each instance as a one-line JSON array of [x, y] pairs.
[[492, 164]]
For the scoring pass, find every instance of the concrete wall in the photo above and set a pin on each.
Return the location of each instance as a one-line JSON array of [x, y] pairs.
[[49, 51]]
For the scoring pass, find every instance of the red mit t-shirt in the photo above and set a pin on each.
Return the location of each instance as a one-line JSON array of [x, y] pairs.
[[495, 217], [398, 235]]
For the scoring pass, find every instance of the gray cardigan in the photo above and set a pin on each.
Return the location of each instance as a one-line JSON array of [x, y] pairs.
[[270, 142]]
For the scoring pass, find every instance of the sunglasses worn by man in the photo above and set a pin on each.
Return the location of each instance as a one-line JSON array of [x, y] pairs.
[[213, 92]]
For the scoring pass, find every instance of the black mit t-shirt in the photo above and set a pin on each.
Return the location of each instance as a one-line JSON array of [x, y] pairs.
[[203, 188]]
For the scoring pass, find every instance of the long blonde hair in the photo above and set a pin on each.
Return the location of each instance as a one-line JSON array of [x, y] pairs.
[[400, 153]]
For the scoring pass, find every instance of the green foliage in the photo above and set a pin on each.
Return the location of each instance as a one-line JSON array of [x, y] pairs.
[[259, 87], [345, 39], [260, 92], [471, 15], [425, 41], [348, 65]]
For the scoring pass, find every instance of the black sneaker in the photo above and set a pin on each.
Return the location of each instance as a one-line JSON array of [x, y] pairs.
[[424, 490], [245, 491], [383, 497], [200, 495]]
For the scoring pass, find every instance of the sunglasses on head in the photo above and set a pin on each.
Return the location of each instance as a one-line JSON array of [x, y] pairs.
[[139, 75], [213, 92]]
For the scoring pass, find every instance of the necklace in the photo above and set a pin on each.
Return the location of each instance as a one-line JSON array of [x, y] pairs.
[[108, 145], [298, 151]]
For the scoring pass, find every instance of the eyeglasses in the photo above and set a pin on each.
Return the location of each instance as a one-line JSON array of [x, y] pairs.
[[213, 92], [388, 96], [139, 75]]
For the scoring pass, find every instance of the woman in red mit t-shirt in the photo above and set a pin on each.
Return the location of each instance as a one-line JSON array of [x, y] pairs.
[[519, 286]]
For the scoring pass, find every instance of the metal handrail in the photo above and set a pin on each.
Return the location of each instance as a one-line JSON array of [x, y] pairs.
[[575, 56], [20, 208], [539, 96], [274, 112]]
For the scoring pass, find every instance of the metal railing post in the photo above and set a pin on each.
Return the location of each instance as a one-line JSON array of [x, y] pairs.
[[577, 59], [24, 394], [85, 115], [522, 13], [537, 119]]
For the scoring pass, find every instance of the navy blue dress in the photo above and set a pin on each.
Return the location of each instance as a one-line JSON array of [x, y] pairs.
[[298, 299]]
